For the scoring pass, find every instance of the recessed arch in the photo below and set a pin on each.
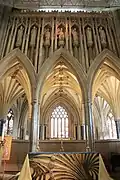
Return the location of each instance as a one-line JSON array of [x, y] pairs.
[[58, 100], [70, 108]]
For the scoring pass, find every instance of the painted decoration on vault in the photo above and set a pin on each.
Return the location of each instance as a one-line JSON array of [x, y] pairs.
[[58, 166]]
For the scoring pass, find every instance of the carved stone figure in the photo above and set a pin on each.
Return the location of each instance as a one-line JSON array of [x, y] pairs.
[[19, 36], [102, 37], [75, 37], [47, 37], [75, 34], [33, 36], [61, 37], [89, 36], [75, 42], [61, 34]]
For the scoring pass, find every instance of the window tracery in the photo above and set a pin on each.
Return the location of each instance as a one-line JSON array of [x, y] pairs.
[[59, 123]]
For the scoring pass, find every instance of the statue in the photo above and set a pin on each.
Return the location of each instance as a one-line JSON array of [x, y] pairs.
[[61, 34], [102, 37], [75, 34], [75, 37], [33, 36], [89, 36], [19, 36], [47, 37], [61, 37]]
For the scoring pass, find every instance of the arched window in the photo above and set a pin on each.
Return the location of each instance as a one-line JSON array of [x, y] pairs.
[[59, 123], [9, 123]]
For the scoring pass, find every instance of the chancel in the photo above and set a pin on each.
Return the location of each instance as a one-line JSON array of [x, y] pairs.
[[59, 88]]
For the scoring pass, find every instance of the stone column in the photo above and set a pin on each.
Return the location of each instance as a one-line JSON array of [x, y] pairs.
[[117, 122], [78, 132], [89, 126], [34, 128]]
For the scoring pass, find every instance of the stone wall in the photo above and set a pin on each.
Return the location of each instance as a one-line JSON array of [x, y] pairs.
[[39, 34]]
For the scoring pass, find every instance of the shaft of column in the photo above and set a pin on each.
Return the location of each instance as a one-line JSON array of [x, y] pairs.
[[34, 128], [89, 126], [78, 132]]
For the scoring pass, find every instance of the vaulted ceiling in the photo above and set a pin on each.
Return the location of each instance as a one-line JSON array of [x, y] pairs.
[[61, 83]]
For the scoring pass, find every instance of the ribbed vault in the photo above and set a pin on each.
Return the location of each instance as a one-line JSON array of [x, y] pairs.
[[61, 87], [104, 72], [106, 85], [103, 119], [15, 80], [110, 90]]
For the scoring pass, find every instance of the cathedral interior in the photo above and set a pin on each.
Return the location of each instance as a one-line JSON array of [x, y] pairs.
[[59, 77]]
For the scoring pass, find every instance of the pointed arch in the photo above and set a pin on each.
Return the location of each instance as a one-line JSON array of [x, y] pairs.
[[71, 62], [53, 102], [105, 55], [17, 56]]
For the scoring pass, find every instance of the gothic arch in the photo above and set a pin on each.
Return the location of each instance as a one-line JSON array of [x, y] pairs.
[[71, 62], [65, 101], [17, 67], [98, 61], [14, 56]]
